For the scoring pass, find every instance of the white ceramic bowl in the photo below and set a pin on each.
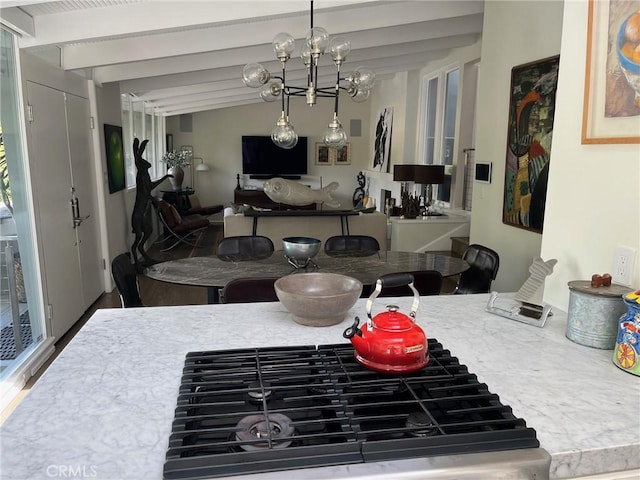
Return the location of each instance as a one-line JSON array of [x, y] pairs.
[[318, 299]]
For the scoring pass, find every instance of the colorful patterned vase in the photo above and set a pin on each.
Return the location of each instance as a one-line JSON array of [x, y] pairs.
[[627, 350]]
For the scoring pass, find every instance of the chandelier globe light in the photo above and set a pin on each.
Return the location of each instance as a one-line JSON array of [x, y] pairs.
[[358, 83]]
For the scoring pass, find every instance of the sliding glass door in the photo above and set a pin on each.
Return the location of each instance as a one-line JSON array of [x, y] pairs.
[[22, 325]]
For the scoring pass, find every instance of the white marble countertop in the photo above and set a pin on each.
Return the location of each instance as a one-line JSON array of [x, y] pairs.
[[105, 406]]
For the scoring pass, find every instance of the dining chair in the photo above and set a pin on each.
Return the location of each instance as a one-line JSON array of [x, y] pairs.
[[126, 278], [248, 290], [351, 245], [244, 247], [484, 264], [426, 282]]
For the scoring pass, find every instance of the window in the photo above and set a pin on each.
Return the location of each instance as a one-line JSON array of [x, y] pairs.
[[140, 121], [430, 135], [439, 137]]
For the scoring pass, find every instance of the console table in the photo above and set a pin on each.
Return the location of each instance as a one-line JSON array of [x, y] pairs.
[[343, 214], [257, 198]]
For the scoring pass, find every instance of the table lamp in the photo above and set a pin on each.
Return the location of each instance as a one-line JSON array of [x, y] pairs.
[[429, 175], [404, 173]]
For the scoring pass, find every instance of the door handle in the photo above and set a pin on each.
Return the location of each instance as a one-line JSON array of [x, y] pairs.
[[77, 219]]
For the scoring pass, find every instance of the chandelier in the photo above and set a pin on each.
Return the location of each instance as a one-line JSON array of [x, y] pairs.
[[357, 84]]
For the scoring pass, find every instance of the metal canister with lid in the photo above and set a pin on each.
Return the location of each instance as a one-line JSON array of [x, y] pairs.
[[592, 319]]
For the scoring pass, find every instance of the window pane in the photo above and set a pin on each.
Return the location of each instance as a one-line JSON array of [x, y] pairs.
[[150, 151], [444, 190], [432, 101], [127, 135], [450, 104]]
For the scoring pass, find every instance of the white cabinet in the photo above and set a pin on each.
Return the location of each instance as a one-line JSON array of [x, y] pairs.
[[60, 157], [428, 233]]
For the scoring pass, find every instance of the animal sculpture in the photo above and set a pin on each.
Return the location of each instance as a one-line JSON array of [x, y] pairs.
[[294, 193], [532, 290], [141, 217]]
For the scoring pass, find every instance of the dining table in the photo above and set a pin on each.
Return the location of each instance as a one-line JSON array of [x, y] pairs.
[[214, 273]]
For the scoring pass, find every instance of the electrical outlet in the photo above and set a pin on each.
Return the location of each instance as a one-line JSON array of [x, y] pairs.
[[623, 262]]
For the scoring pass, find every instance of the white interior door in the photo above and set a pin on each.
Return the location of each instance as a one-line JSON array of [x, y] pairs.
[[51, 177], [88, 234]]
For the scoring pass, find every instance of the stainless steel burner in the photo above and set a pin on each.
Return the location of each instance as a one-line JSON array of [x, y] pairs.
[[272, 428], [257, 394], [420, 425]]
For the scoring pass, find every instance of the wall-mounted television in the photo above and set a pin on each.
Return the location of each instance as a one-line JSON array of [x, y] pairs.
[[261, 158]]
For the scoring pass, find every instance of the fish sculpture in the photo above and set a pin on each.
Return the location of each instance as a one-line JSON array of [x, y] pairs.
[[293, 193]]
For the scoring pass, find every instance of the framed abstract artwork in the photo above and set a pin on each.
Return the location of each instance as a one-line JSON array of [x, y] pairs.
[[611, 104], [323, 156], [530, 129], [342, 156], [115, 158], [382, 142]]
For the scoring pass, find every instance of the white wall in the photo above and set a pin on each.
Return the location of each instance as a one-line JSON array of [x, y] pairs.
[[216, 134], [514, 33], [216, 138], [118, 205], [403, 93], [592, 195], [594, 190]]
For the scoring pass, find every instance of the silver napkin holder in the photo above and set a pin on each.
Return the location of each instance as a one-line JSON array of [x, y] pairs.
[[531, 310], [530, 314]]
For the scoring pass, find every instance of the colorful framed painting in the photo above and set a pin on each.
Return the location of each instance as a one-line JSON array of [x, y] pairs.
[[611, 106], [530, 129], [115, 158], [323, 156], [342, 156]]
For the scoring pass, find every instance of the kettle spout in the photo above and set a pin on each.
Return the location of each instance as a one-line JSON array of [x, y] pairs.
[[354, 334]]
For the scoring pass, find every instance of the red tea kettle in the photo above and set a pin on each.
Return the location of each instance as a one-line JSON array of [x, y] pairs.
[[391, 342]]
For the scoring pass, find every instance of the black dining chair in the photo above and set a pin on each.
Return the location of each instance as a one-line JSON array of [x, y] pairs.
[[484, 264], [426, 282], [351, 245], [126, 278], [248, 290], [244, 247]]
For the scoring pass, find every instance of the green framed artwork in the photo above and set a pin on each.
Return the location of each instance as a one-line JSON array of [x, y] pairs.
[[115, 157], [531, 112]]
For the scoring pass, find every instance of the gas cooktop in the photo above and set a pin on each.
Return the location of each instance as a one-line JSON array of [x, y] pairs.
[[280, 408]]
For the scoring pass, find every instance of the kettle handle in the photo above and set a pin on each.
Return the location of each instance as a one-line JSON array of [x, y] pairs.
[[394, 280]]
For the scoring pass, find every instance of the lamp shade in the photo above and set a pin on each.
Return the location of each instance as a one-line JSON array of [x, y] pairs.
[[404, 173], [429, 174]]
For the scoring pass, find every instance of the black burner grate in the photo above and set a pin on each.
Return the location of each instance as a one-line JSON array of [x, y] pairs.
[[304, 406]]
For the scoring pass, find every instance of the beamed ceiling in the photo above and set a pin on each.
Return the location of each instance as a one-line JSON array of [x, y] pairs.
[[187, 56]]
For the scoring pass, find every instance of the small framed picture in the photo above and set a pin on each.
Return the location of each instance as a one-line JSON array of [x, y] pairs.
[[322, 154], [342, 155], [187, 148], [483, 172]]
